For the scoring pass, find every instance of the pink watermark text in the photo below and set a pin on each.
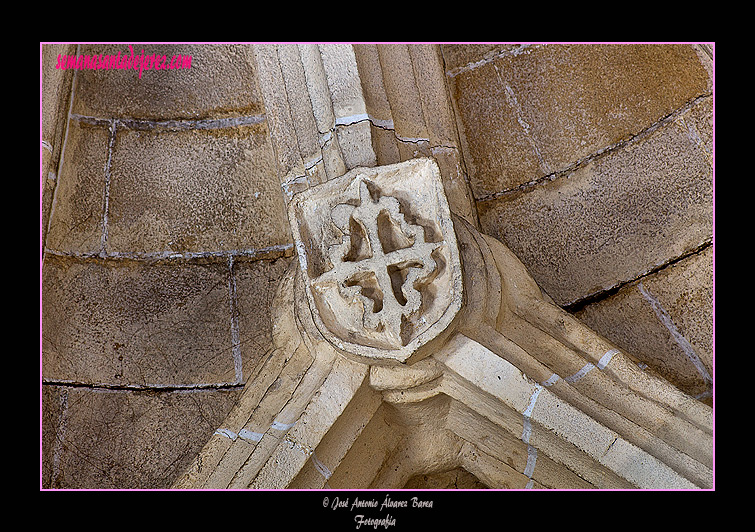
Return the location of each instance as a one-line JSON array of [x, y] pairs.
[[127, 61]]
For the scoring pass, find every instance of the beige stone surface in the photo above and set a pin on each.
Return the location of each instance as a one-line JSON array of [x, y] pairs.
[[538, 109], [187, 93], [515, 390], [194, 191], [459, 56], [172, 355], [255, 282], [155, 324], [131, 323], [55, 90], [617, 217], [76, 222], [676, 340], [120, 439]]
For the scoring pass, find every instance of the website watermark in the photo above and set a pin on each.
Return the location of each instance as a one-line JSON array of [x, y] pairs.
[[127, 61]]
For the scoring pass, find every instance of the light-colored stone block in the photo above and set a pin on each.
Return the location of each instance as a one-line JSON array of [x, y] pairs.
[[197, 190], [535, 110], [617, 217], [76, 224], [170, 94], [134, 323], [671, 338], [115, 439]]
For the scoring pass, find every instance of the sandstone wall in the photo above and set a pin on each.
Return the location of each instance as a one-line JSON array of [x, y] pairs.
[[166, 240], [594, 164], [164, 231]]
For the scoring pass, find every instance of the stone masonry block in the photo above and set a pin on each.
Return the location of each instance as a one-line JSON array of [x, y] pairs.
[[537, 110], [221, 83], [498, 152], [52, 430], [55, 93], [615, 218], [194, 191], [401, 89], [136, 323], [457, 56], [106, 439], [642, 318], [256, 284], [55, 88], [77, 216]]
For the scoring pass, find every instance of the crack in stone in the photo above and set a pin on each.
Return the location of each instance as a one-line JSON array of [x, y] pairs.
[[678, 337], [581, 303], [607, 150], [144, 387], [171, 124], [266, 253]]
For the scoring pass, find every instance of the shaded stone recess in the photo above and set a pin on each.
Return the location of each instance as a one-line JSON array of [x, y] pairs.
[[594, 164], [166, 232], [454, 479]]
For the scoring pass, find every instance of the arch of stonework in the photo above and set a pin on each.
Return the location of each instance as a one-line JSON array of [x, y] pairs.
[[407, 342]]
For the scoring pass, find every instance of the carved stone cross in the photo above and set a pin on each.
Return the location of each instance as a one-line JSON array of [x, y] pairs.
[[380, 260], [406, 342]]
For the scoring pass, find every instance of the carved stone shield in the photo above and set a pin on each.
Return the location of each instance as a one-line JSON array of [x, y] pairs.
[[379, 259]]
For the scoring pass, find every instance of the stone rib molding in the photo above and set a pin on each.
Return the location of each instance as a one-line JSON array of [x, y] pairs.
[[331, 108]]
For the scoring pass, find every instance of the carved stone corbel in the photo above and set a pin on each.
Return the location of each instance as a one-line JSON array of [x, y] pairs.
[[407, 342]]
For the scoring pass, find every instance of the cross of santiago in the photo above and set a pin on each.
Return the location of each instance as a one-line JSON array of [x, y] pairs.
[[417, 257]]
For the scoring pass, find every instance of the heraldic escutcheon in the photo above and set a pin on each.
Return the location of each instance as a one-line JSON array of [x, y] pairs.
[[379, 260]]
